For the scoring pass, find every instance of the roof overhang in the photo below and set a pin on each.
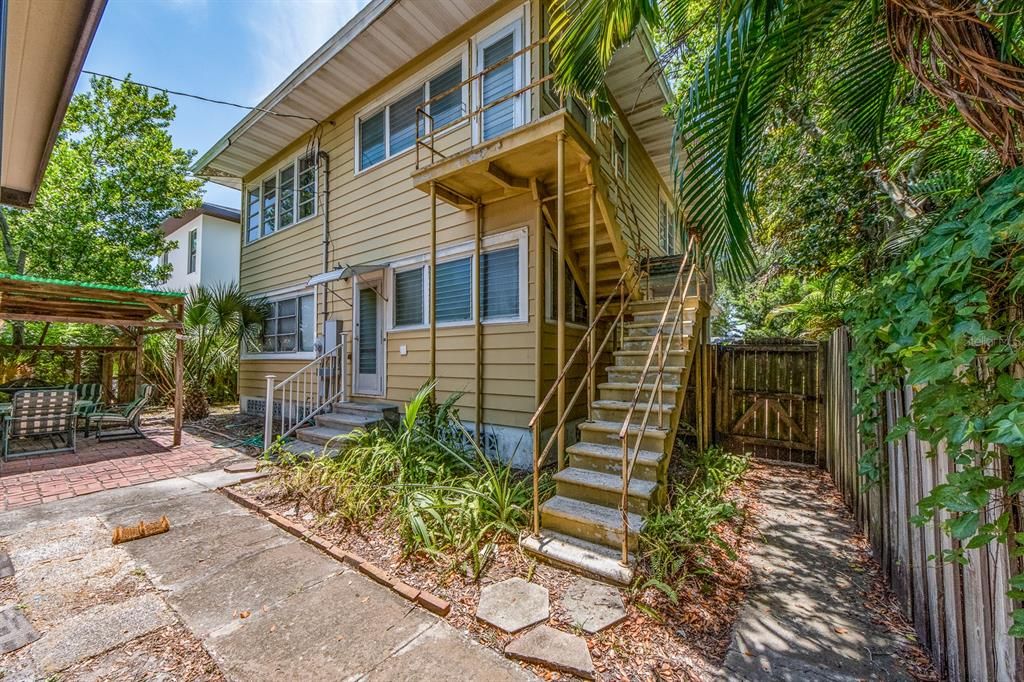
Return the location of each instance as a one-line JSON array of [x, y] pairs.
[[344, 272], [382, 38], [638, 84], [44, 44]]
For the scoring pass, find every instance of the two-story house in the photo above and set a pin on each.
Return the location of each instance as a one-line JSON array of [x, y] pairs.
[[421, 205], [206, 247]]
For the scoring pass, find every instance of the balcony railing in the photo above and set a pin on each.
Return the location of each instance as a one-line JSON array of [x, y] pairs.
[[476, 108]]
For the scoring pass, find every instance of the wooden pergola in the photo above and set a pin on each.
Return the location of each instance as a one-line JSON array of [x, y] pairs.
[[138, 311]]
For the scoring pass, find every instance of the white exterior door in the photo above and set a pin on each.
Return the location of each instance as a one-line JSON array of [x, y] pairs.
[[368, 349]]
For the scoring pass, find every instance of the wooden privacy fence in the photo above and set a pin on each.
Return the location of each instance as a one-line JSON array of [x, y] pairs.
[[960, 613], [767, 398]]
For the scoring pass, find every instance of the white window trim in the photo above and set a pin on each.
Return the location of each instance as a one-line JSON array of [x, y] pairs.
[[519, 238], [549, 288], [515, 22], [191, 267], [277, 295], [494, 242], [258, 184], [670, 207], [618, 127], [457, 56]]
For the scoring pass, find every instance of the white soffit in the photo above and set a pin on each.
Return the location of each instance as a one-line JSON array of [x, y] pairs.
[[383, 37], [639, 87]]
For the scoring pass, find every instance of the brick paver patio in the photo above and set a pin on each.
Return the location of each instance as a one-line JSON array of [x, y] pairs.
[[104, 466]]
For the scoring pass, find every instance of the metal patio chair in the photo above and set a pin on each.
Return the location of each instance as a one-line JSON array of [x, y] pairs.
[[46, 413]]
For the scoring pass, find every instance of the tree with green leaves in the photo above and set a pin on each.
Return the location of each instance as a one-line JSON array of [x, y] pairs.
[[964, 54], [113, 178], [219, 322]]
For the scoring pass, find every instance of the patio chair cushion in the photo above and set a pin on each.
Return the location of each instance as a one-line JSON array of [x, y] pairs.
[[42, 412], [90, 392]]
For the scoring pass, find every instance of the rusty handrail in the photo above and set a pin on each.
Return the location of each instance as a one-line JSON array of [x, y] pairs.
[[657, 344], [536, 420], [472, 111]]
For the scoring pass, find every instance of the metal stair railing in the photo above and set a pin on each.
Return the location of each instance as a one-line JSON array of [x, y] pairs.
[[306, 393], [663, 347], [624, 291]]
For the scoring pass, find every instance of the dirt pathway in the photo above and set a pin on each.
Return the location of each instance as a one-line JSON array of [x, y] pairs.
[[813, 611]]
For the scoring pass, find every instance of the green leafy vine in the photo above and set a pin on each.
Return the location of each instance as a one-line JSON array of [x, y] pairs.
[[948, 321]]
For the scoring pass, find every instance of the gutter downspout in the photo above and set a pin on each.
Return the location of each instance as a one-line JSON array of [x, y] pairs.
[[326, 241]]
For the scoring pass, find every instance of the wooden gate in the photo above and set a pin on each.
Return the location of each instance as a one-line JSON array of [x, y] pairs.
[[768, 399]]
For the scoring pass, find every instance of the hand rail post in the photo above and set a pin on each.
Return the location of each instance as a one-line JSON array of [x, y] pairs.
[[536, 476], [625, 501], [661, 394], [268, 413]]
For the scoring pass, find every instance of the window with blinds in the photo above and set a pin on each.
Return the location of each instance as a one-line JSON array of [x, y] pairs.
[[409, 298], [454, 281], [499, 284], [393, 128]]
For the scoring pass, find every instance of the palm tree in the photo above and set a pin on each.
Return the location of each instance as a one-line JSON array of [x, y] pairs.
[[965, 52], [219, 322]]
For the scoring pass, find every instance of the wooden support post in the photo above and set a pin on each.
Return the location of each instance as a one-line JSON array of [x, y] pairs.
[[478, 325], [538, 329], [560, 293], [592, 298], [138, 361], [433, 270], [78, 365], [179, 374]]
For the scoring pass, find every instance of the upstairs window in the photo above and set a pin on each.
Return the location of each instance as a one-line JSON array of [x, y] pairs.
[[667, 227], [193, 249], [620, 152], [281, 200], [393, 129]]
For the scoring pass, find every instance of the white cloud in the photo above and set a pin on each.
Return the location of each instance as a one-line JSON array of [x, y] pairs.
[[285, 32]]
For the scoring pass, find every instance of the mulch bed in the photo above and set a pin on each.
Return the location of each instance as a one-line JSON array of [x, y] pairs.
[[659, 640]]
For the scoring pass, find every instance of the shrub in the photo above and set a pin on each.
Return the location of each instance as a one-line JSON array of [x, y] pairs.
[[680, 541], [448, 498]]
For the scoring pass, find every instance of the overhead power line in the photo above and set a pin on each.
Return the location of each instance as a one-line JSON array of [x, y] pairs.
[[201, 98]]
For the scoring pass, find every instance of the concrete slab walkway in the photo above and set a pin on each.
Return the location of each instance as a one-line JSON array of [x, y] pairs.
[[263, 604], [805, 617]]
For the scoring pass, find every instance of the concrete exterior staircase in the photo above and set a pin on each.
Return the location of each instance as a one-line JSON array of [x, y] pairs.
[[581, 526], [342, 419]]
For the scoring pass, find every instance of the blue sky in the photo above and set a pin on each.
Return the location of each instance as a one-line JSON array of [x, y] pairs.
[[234, 50]]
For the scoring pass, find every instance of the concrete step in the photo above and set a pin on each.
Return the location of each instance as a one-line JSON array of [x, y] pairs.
[[589, 522], [607, 433], [680, 340], [607, 459], [591, 559], [321, 435], [627, 374], [624, 391], [638, 358], [346, 421], [615, 410], [368, 408], [657, 304], [648, 324], [604, 489]]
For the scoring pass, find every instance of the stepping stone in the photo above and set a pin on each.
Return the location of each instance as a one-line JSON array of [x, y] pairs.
[[15, 630], [593, 606], [513, 604], [242, 467], [555, 649], [6, 567]]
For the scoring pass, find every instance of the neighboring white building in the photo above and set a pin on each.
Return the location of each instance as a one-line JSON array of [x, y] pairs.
[[208, 246]]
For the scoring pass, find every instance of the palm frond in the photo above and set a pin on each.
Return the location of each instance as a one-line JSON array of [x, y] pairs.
[[721, 123]]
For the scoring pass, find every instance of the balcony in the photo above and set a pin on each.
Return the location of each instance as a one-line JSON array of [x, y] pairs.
[[506, 142]]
